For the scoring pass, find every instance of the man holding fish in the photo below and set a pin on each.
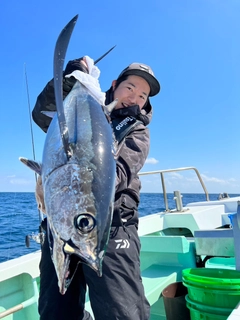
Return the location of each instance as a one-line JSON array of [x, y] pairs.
[[118, 293]]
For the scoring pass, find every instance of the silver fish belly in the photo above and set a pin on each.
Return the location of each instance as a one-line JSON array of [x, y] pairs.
[[79, 187]]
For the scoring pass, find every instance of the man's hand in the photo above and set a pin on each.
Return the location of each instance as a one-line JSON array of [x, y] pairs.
[[77, 64]]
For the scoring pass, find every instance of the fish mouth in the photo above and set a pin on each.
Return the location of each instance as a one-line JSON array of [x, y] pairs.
[[75, 253], [69, 272], [66, 262]]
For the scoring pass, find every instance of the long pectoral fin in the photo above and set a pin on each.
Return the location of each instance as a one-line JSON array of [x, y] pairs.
[[59, 57], [35, 166]]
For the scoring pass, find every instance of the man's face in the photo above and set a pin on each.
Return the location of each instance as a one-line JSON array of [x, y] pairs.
[[133, 91]]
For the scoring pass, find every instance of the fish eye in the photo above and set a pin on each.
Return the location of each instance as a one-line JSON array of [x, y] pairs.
[[85, 223]]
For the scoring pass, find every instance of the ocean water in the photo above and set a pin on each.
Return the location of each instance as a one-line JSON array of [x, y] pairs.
[[19, 217]]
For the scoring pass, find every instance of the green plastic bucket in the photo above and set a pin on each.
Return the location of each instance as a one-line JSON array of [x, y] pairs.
[[201, 312], [218, 288]]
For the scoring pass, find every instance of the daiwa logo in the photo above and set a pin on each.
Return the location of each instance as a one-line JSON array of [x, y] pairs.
[[123, 123], [122, 244]]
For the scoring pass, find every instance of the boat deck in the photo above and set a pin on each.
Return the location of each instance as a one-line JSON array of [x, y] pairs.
[[170, 242]]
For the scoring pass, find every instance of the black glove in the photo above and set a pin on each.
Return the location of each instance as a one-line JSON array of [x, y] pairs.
[[75, 65]]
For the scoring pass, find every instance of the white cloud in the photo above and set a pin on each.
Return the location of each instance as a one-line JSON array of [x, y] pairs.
[[194, 178], [151, 161], [174, 176], [213, 179], [20, 182], [189, 182]]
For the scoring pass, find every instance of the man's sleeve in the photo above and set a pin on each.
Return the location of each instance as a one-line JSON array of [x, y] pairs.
[[132, 157], [46, 102]]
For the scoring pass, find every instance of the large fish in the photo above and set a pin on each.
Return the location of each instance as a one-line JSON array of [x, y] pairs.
[[78, 178]]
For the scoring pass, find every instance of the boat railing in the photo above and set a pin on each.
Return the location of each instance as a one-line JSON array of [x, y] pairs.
[[162, 172]]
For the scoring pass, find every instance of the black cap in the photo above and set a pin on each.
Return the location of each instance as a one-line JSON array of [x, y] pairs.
[[144, 71]]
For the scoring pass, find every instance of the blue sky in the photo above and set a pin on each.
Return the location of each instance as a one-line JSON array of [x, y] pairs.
[[193, 47]]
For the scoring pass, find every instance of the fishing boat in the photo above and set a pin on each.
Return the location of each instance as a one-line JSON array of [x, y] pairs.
[[172, 240]]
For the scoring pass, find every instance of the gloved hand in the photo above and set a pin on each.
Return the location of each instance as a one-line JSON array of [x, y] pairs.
[[89, 80], [77, 64]]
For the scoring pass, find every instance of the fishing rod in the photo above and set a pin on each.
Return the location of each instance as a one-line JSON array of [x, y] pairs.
[[36, 237], [104, 55]]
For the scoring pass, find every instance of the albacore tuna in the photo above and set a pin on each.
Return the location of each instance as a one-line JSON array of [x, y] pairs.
[[78, 180]]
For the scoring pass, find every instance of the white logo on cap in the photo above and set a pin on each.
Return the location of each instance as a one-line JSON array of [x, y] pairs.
[[144, 67]]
